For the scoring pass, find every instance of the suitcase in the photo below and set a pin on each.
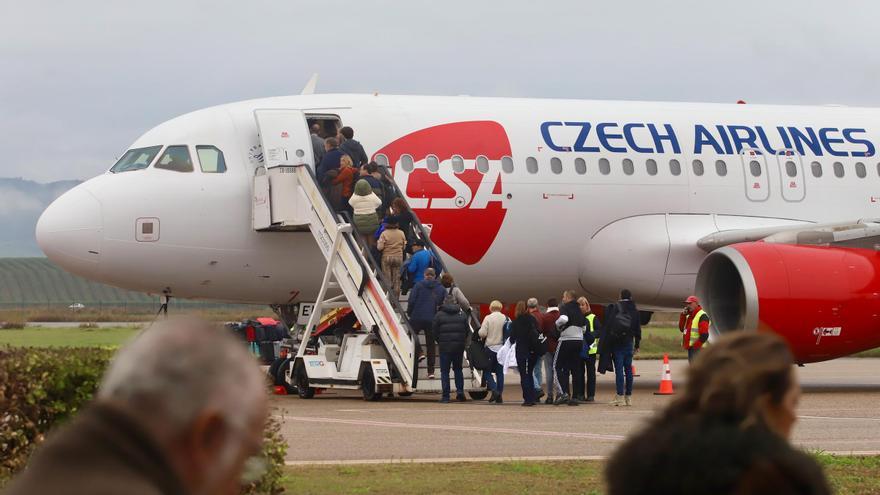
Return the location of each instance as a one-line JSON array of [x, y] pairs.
[[267, 352]]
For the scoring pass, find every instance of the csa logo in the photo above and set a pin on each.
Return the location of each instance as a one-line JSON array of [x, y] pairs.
[[466, 209]]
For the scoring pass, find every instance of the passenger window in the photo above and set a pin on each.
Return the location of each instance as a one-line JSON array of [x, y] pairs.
[[816, 168], [433, 163], [755, 168], [175, 158], [580, 166], [790, 169], [838, 170], [137, 159], [674, 167], [458, 163], [604, 166], [698, 167], [507, 164], [406, 162], [532, 165], [211, 159], [720, 168], [556, 165], [861, 171], [382, 160], [628, 167], [651, 166]]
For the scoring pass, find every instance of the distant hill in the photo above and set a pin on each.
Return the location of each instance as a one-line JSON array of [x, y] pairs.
[[21, 203]]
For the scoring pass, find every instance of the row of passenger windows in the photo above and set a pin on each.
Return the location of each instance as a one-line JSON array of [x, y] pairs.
[[176, 158], [756, 168]]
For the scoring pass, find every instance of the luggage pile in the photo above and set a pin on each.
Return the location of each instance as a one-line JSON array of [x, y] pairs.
[[263, 337]]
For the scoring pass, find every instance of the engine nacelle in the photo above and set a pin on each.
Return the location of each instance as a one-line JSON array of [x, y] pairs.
[[825, 301]]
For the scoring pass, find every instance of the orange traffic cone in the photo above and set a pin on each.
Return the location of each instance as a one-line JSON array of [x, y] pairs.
[[635, 373], [665, 378]]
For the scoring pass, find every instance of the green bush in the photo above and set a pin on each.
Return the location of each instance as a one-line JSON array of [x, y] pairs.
[[43, 387]]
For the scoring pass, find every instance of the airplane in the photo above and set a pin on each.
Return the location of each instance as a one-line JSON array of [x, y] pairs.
[[767, 212]]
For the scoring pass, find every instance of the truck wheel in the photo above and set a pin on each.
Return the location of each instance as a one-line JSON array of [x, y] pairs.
[[302, 382], [368, 383], [479, 395], [281, 375]]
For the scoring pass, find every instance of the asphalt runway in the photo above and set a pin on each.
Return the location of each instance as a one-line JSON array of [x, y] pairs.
[[839, 413]]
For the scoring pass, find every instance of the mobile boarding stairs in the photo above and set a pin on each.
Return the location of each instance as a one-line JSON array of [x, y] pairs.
[[380, 357]]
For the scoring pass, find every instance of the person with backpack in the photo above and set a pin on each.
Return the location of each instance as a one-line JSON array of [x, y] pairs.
[[454, 295], [421, 260], [551, 333], [524, 333], [492, 333], [571, 324], [421, 308], [624, 333], [450, 328]]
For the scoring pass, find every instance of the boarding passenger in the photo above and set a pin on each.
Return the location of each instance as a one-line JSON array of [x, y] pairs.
[[454, 295], [728, 433], [693, 323], [330, 161], [421, 308], [400, 212], [450, 329], [317, 143], [524, 333], [624, 331], [370, 173], [591, 346], [421, 259], [551, 333], [391, 244], [180, 410], [571, 324], [363, 203], [351, 147], [345, 181], [492, 333], [538, 375]]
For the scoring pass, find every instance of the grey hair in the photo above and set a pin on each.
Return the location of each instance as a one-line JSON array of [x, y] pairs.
[[532, 302], [177, 369]]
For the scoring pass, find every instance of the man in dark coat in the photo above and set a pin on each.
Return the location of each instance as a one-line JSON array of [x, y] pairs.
[[180, 411], [330, 161], [351, 147], [424, 299], [623, 332], [450, 329]]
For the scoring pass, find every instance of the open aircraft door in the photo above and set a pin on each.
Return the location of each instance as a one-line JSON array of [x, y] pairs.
[[791, 175], [285, 137], [757, 177]]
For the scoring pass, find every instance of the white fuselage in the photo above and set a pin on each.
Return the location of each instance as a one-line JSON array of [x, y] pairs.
[[596, 231]]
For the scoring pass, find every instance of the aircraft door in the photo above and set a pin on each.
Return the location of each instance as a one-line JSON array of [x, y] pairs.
[[791, 175], [757, 180], [285, 137]]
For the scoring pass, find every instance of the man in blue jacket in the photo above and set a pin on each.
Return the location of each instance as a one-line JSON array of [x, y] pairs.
[[421, 308], [421, 260], [331, 159]]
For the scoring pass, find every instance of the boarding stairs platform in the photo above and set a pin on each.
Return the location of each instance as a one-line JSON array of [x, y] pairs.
[[379, 357]]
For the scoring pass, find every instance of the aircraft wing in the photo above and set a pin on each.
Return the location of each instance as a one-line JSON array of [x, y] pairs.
[[863, 233]]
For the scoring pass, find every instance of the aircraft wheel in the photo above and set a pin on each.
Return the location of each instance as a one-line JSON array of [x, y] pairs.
[[479, 395], [281, 375]]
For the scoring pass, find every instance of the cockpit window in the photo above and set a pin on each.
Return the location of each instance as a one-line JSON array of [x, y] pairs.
[[136, 159], [175, 158], [211, 159]]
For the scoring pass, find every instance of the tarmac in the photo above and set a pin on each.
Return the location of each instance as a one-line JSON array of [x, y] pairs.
[[838, 414]]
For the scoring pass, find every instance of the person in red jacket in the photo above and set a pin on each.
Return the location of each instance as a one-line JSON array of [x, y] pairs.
[[693, 323]]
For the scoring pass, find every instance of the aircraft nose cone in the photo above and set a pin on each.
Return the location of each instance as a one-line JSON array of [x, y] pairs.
[[71, 229]]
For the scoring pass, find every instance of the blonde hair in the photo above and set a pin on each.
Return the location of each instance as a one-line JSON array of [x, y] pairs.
[[345, 161], [495, 306]]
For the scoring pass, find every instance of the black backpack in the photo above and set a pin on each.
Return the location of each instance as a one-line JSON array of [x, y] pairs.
[[621, 325]]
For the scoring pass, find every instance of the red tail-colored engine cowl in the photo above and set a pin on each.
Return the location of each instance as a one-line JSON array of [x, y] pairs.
[[825, 301]]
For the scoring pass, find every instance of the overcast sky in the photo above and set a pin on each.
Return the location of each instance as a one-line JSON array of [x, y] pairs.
[[79, 81]]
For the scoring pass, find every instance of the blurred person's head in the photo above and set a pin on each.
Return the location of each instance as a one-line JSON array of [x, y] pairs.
[[430, 274], [347, 132], [532, 304], [316, 129], [345, 161], [569, 296], [447, 280], [398, 205], [199, 393], [552, 302], [330, 143], [626, 295], [520, 309], [746, 378], [495, 306]]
